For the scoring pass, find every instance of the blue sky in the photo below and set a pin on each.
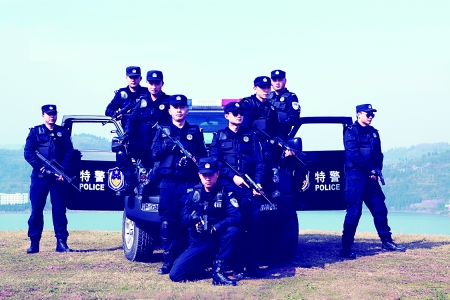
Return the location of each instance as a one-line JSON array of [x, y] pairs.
[[337, 54]]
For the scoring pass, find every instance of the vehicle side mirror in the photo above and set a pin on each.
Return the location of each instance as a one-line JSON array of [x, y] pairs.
[[295, 143]]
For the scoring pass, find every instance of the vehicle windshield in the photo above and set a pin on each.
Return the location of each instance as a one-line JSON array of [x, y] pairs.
[[210, 122]]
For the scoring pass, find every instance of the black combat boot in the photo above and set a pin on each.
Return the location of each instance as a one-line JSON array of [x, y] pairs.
[[346, 252], [218, 278], [389, 245], [167, 264], [34, 247], [239, 274], [61, 246]]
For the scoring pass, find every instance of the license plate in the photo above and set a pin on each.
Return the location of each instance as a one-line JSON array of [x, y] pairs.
[[267, 207], [149, 206]]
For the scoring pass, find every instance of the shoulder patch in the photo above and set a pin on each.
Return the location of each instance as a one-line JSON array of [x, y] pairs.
[[234, 202], [295, 105], [196, 197]]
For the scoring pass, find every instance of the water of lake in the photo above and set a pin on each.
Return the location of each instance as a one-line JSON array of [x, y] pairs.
[[315, 220]]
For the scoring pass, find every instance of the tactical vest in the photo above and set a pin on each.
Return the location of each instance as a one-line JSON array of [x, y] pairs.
[[205, 208], [51, 145], [262, 115], [237, 152], [368, 146], [281, 106], [148, 114], [169, 165]]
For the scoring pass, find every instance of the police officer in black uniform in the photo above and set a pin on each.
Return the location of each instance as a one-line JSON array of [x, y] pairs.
[[53, 142], [128, 95], [211, 213], [260, 113], [240, 147], [139, 128], [284, 101], [177, 173], [363, 164]]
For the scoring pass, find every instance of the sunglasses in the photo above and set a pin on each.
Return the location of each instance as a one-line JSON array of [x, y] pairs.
[[236, 113], [370, 114]]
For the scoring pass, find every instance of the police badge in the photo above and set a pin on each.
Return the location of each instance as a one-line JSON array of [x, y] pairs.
[[143, 103], [189, 137], [246, 139], [59, 134], [282, 99], [115, 179], [234, 202], [161, 107], [196, 197]]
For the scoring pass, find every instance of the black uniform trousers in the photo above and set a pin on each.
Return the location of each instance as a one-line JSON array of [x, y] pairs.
[[39, 189], [250, 234], [360, 188], [191, 264], [170, 206]]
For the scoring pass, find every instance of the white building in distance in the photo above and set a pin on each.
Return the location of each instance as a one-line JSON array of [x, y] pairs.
[[11, 199]]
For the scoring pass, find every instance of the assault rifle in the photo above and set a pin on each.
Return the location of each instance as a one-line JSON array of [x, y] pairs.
[[54, 168], [249, 181], [277, 140], [120, 112], [178, 143]]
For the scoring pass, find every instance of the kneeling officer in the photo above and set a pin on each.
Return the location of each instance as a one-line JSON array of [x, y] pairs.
[[212, 216]]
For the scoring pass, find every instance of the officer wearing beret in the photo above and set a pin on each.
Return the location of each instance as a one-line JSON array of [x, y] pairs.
[[211, 214], [240, 147], [128, 94], [139, 128], [54, 143], [177, 173], [284, 101], [363, 165]]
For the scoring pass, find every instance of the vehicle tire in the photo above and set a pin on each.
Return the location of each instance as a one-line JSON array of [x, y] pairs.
[[281, 242], [138, 245]]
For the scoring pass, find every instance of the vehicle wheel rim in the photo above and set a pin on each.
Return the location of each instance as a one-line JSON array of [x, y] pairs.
[[129, 233]]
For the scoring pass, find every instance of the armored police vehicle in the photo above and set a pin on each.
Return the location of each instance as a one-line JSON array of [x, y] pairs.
[[321, 188]]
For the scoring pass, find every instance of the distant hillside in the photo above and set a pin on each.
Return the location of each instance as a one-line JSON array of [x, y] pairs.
[[15, 171], [417, 178], [397, 155]]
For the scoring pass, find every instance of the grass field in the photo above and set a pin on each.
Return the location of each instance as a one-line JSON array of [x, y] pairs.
[[98, 270]]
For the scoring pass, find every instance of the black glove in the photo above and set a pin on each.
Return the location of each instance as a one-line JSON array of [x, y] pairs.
[[194, 217], [46, 172], [375, 172]]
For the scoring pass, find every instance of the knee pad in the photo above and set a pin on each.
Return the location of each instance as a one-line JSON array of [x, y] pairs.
[[166, 230]]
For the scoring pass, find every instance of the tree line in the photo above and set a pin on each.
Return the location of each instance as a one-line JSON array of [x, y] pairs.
[[412, 175]]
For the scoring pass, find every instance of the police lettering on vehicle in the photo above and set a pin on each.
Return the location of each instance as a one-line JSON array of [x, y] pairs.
[[324, 183]]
